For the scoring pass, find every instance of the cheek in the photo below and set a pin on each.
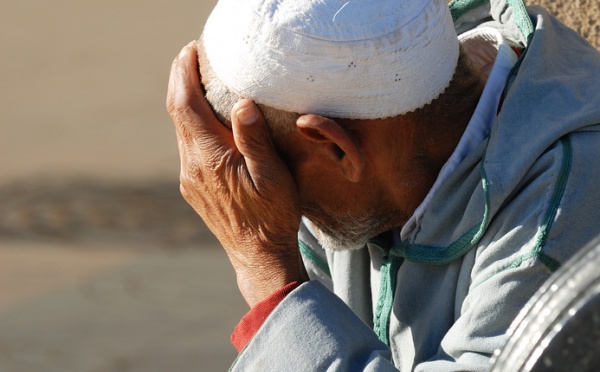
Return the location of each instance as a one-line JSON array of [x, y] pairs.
[[317, 188], [321, 185], [332, 197]]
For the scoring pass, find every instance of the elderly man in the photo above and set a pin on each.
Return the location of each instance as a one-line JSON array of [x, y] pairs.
[[436, 181]]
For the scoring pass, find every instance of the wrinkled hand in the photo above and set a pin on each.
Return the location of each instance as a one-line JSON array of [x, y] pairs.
[[237, 183]]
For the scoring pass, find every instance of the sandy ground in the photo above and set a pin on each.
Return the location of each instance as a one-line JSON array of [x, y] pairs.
[[103, 267], [581, 15], [113, 308]]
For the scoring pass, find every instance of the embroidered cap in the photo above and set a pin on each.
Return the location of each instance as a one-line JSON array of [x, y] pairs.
[[354, 59]]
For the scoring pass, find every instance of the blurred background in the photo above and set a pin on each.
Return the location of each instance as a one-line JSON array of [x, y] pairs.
[[103, 266]]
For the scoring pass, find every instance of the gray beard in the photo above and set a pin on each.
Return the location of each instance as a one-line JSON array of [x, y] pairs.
[[340, 242], [348, 233]]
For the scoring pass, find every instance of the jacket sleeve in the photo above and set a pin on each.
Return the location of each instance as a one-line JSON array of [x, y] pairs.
[[313, 330]]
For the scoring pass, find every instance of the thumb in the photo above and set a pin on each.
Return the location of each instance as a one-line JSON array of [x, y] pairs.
[[252, 140]]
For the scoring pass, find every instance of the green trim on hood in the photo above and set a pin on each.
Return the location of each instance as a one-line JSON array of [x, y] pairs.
[[385, 303], [443, 255], [522, 19], [307, 252], [458, 8], [542, 235]]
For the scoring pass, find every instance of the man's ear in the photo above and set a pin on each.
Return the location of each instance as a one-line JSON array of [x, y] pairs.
[[336, 142]]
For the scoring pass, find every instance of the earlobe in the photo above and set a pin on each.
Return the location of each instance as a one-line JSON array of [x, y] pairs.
[[336, 141]]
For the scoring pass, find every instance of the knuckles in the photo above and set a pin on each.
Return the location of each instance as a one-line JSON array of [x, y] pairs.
[[170, 105], [184, 191]]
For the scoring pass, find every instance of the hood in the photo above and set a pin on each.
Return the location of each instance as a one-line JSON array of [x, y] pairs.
[[549, 93]]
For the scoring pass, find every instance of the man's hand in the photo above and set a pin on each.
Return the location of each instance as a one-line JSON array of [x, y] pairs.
[[237, 183]]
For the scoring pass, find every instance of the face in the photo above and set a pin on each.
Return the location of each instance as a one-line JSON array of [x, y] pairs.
[[396, 178], [346, 214]]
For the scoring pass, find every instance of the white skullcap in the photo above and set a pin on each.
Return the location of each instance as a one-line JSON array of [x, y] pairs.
[[354, 59]]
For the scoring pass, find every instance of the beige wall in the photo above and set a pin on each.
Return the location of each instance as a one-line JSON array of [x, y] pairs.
[[84, 83]]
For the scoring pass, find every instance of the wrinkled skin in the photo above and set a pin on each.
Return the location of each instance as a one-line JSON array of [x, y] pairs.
[[235, 181]]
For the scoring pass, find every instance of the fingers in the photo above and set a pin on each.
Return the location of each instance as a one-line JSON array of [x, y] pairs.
[[188, 90], [191, 113], [254, 143], [185, 97], [174, 79]]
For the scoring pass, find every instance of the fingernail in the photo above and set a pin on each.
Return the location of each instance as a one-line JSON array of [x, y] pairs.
[[246, 115]]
